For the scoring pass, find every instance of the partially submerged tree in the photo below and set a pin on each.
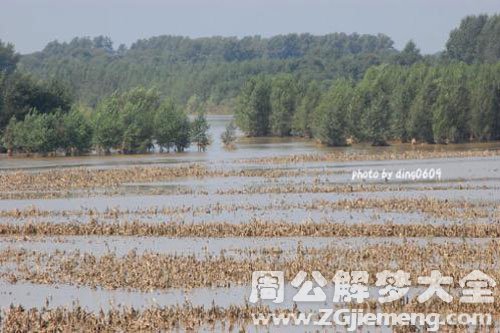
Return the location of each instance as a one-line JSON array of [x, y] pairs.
[[228, 137], [199, 131]]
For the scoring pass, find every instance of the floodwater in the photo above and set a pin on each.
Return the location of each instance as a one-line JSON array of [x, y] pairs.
[[245, 148], [239, 200]]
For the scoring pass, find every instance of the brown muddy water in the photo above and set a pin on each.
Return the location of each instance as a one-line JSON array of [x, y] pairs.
[[257, 184]]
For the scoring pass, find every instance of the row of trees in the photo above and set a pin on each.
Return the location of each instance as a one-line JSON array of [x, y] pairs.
[[434, 104], [131, 122]]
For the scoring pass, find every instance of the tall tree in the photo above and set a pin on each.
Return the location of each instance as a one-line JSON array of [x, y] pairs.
[[420, 116], [284, 93], [409, 80], [8, 58], [463, 41], [166, 120], [485, 103], [137, 108], [451, 110], [254, 107], [489, 41], [302, 119], [331, 115], [172, 128], [78, 131], [409, 56], [376, 116], [199, 130]]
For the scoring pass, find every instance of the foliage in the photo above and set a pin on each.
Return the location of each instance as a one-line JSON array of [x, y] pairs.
[[78, 131], [284, 95], [36, 133], [172, 127], [301, 123], [447, 103], [228, 137], [199, 131], [330, 121], [476, 40], [409, 56], [8, 58], [22, 93], [254, 107], [108, 131], [213, 69]]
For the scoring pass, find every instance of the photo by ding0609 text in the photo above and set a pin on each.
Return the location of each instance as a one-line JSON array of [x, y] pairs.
[[399, 174]]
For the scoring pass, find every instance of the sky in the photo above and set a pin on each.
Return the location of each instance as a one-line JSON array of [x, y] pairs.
[[31, 24]]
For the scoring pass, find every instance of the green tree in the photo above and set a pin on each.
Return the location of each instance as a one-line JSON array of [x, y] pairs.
[[137, 109], [302, 119], [420, 116], [183, 138], [402, 98], [228, 137], [22, 94], [254, 107], [283, 104], [78, 130], [9, 135], [107, 129], [463, 41], [165, 125], [485, 103], [409, 56], [331, 115], [451, 110], [489, 41], [35, 134], [172, 127], [376, 116], [8, 58], [199, 131]]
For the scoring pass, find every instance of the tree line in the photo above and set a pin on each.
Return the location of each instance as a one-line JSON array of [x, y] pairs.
[[434, 104], [131, 122], [43, 117], [214, 68]]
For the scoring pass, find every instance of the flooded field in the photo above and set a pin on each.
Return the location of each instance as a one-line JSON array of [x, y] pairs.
[[125, 242]]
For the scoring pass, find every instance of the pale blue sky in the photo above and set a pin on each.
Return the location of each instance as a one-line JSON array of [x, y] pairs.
[[30, 24]]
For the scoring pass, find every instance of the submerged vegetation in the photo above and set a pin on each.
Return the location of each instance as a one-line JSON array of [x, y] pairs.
[[297, 216]]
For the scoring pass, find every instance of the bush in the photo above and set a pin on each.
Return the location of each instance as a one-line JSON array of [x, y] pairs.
[[78, 132], [35, 134], [199, 131], [228, 137]]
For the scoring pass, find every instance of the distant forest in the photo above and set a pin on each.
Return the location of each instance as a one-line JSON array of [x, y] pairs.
[[337, 88], [213, 69]]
